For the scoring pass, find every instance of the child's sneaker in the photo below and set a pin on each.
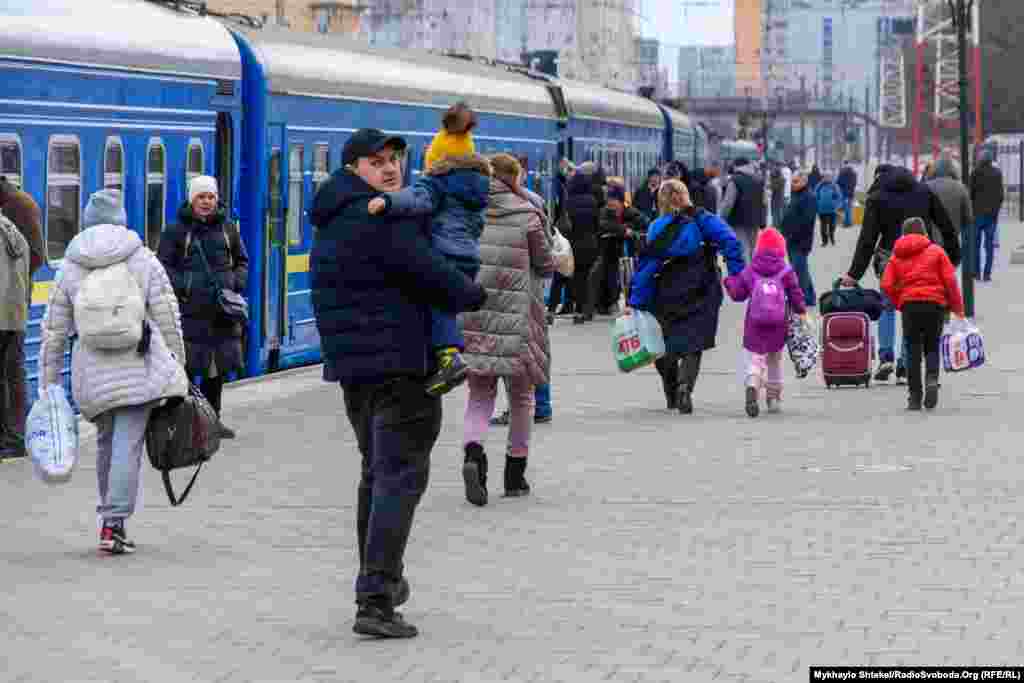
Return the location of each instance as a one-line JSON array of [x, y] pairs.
[[884, 371], [113, 539], [752, 408], [773, 405], [452, 371]]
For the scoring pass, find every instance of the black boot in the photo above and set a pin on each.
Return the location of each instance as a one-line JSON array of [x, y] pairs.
[[689, 370], [684, 399], [515, 481], [914, 402], [668, 368], [380, 620], [474, 474], [931, 392]]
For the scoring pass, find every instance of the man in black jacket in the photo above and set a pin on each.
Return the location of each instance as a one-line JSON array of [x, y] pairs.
[[584, 203], [987, 197], [847, 182], [646, 198], [898, 196], [375, 281]]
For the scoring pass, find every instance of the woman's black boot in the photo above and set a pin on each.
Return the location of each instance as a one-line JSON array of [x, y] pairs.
[[515, 479], [474, 474]]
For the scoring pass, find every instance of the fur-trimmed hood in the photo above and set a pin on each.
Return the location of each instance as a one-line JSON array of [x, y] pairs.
[[470, 162]]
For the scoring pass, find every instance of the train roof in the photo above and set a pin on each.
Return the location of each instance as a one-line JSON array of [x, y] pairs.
[[332, 66], [125, 34], [678, 119], [589, 101]]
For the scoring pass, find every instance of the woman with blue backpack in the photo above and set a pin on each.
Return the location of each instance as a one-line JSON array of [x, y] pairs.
[[830, 200], [678, 280], [772, 288]]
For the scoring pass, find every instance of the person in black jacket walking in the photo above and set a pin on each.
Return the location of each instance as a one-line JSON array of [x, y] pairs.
[[847, 182], [798, 229], [375, 280], [987, 196], [213, 342], [899, 197]]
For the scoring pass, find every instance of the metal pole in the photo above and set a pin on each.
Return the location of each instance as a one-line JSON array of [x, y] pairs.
[[962, 15], [867, 124], [1020, 181], [803, 122]]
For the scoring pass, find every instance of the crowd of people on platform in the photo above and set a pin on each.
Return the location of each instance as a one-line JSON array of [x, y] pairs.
[[417, 290]]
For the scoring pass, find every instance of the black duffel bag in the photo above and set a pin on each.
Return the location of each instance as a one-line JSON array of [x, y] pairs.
[[854, 299], [184, 432]]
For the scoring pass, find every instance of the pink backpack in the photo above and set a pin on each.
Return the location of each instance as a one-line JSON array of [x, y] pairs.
[[768, 300]]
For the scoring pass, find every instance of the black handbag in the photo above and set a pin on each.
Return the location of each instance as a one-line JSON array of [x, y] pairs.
[[184, 432], [232, 304], [852, 300]]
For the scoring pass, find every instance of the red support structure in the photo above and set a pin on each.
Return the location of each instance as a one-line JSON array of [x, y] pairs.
[[918, 105], [978, 132]]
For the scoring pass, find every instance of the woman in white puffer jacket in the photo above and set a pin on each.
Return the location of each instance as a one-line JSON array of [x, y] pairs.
[[115, 389]]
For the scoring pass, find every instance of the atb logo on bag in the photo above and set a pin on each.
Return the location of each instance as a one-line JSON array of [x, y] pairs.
[[628, 345]]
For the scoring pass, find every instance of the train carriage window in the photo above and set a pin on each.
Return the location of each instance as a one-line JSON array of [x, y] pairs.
[[195, 161], [113, 165], [156, 191], [275, 199], [10, 158], [321, 165], [295, 205], [63, 193]]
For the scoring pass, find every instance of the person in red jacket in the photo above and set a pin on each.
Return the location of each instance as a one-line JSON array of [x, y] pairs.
[[920, 280]]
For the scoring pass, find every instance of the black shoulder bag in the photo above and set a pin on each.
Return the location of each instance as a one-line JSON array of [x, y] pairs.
[[183, 432], [232, 304]]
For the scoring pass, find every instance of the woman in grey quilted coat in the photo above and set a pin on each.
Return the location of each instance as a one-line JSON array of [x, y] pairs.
[[115, 389], [508, 337]]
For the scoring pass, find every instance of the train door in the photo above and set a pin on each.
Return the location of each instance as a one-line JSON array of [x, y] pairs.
[[275, 246]]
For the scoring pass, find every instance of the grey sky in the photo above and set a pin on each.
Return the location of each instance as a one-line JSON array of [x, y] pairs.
[[674, 24]]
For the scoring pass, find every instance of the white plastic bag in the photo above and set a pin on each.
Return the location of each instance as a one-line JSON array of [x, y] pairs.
[[963, 347], [565, 263], [52, 436], [637, 340]]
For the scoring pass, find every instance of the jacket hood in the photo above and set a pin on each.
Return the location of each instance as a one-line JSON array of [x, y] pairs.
[[470, 162], [898, 180], [467, 178], [581, 183], [103, 245], [768, 264], [343, 188], [910, 246], [748, 169]]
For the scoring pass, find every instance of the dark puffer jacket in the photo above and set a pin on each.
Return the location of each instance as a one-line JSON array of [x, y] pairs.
[[209, 335], [375, 279], [584, 203], [987, 189], [899, 197]]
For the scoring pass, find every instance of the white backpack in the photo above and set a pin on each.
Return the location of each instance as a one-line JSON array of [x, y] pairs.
[[109, 309]]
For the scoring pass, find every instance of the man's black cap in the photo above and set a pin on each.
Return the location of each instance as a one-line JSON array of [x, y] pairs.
[[367, 142]]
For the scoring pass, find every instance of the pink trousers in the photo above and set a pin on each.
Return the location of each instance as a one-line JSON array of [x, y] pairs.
[[483, 392], [764, 370]]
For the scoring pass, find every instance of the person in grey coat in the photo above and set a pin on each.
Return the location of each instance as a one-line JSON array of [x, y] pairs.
[[945, 184], [116, 389], [744, 206]]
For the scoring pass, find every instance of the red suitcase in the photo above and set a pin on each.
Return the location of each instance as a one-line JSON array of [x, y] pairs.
[[847, 348]]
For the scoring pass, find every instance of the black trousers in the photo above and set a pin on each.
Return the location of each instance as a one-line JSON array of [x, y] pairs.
[[581, 285], [828, 228], [678, 368], [13, 392], [922, 332], [560, 293], [396, 425], [603, 283], [212, 388]]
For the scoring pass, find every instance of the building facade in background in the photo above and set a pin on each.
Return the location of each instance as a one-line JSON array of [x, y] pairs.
[[651, 75], [707, 71], [749, 34], [321, 16]]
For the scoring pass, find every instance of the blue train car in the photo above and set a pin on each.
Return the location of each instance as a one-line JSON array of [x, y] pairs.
[[86, 106], [623, 133], [681, 139], [304, 96]]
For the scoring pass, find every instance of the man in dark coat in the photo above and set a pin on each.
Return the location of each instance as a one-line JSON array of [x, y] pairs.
[[798, 228], [743, 206], [899, 197], [815, 178], [22, 210], [203, 254], [375, 280], [847, 182], [620, 225], [584, 202], [987, 197]]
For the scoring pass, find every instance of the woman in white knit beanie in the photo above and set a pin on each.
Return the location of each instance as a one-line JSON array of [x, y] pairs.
[[213, 341]]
